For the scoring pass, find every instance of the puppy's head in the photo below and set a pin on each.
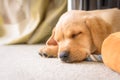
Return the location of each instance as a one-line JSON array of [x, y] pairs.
[[78, 34]]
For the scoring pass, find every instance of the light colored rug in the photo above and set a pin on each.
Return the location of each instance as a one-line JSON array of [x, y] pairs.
[[22, 62]]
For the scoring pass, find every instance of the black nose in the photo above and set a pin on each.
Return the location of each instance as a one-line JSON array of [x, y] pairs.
[[64, 55]]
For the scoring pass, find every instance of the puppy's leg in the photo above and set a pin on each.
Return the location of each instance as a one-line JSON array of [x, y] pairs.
[[51, 48]]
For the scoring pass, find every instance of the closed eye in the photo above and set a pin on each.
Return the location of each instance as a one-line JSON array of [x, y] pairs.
[[75, 35]]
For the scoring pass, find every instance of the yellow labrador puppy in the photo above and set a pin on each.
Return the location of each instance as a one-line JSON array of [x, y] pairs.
[[79, 34]]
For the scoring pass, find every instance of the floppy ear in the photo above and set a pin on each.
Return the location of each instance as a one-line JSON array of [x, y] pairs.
[[99, 30], [51, 40]]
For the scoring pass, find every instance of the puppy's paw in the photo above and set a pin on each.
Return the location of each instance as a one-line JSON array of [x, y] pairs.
[[47, 52], [46, 55]]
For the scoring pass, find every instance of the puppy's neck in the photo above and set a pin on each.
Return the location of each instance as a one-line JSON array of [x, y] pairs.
[[95, 51]]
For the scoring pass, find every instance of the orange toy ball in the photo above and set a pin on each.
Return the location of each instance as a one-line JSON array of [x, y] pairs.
[[111, 51]]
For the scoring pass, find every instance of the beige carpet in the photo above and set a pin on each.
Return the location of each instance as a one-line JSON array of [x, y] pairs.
[[22, 62]]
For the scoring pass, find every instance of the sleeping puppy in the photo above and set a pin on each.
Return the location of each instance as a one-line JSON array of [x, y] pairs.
[[79, 34]]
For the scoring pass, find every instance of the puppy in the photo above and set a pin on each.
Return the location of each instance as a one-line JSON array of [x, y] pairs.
[[79, 34]]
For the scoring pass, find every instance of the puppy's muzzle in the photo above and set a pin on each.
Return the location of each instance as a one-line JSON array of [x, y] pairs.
[[64, 56]]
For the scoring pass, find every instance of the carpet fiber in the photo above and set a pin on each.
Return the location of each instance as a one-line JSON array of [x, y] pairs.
[[22, 62]]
